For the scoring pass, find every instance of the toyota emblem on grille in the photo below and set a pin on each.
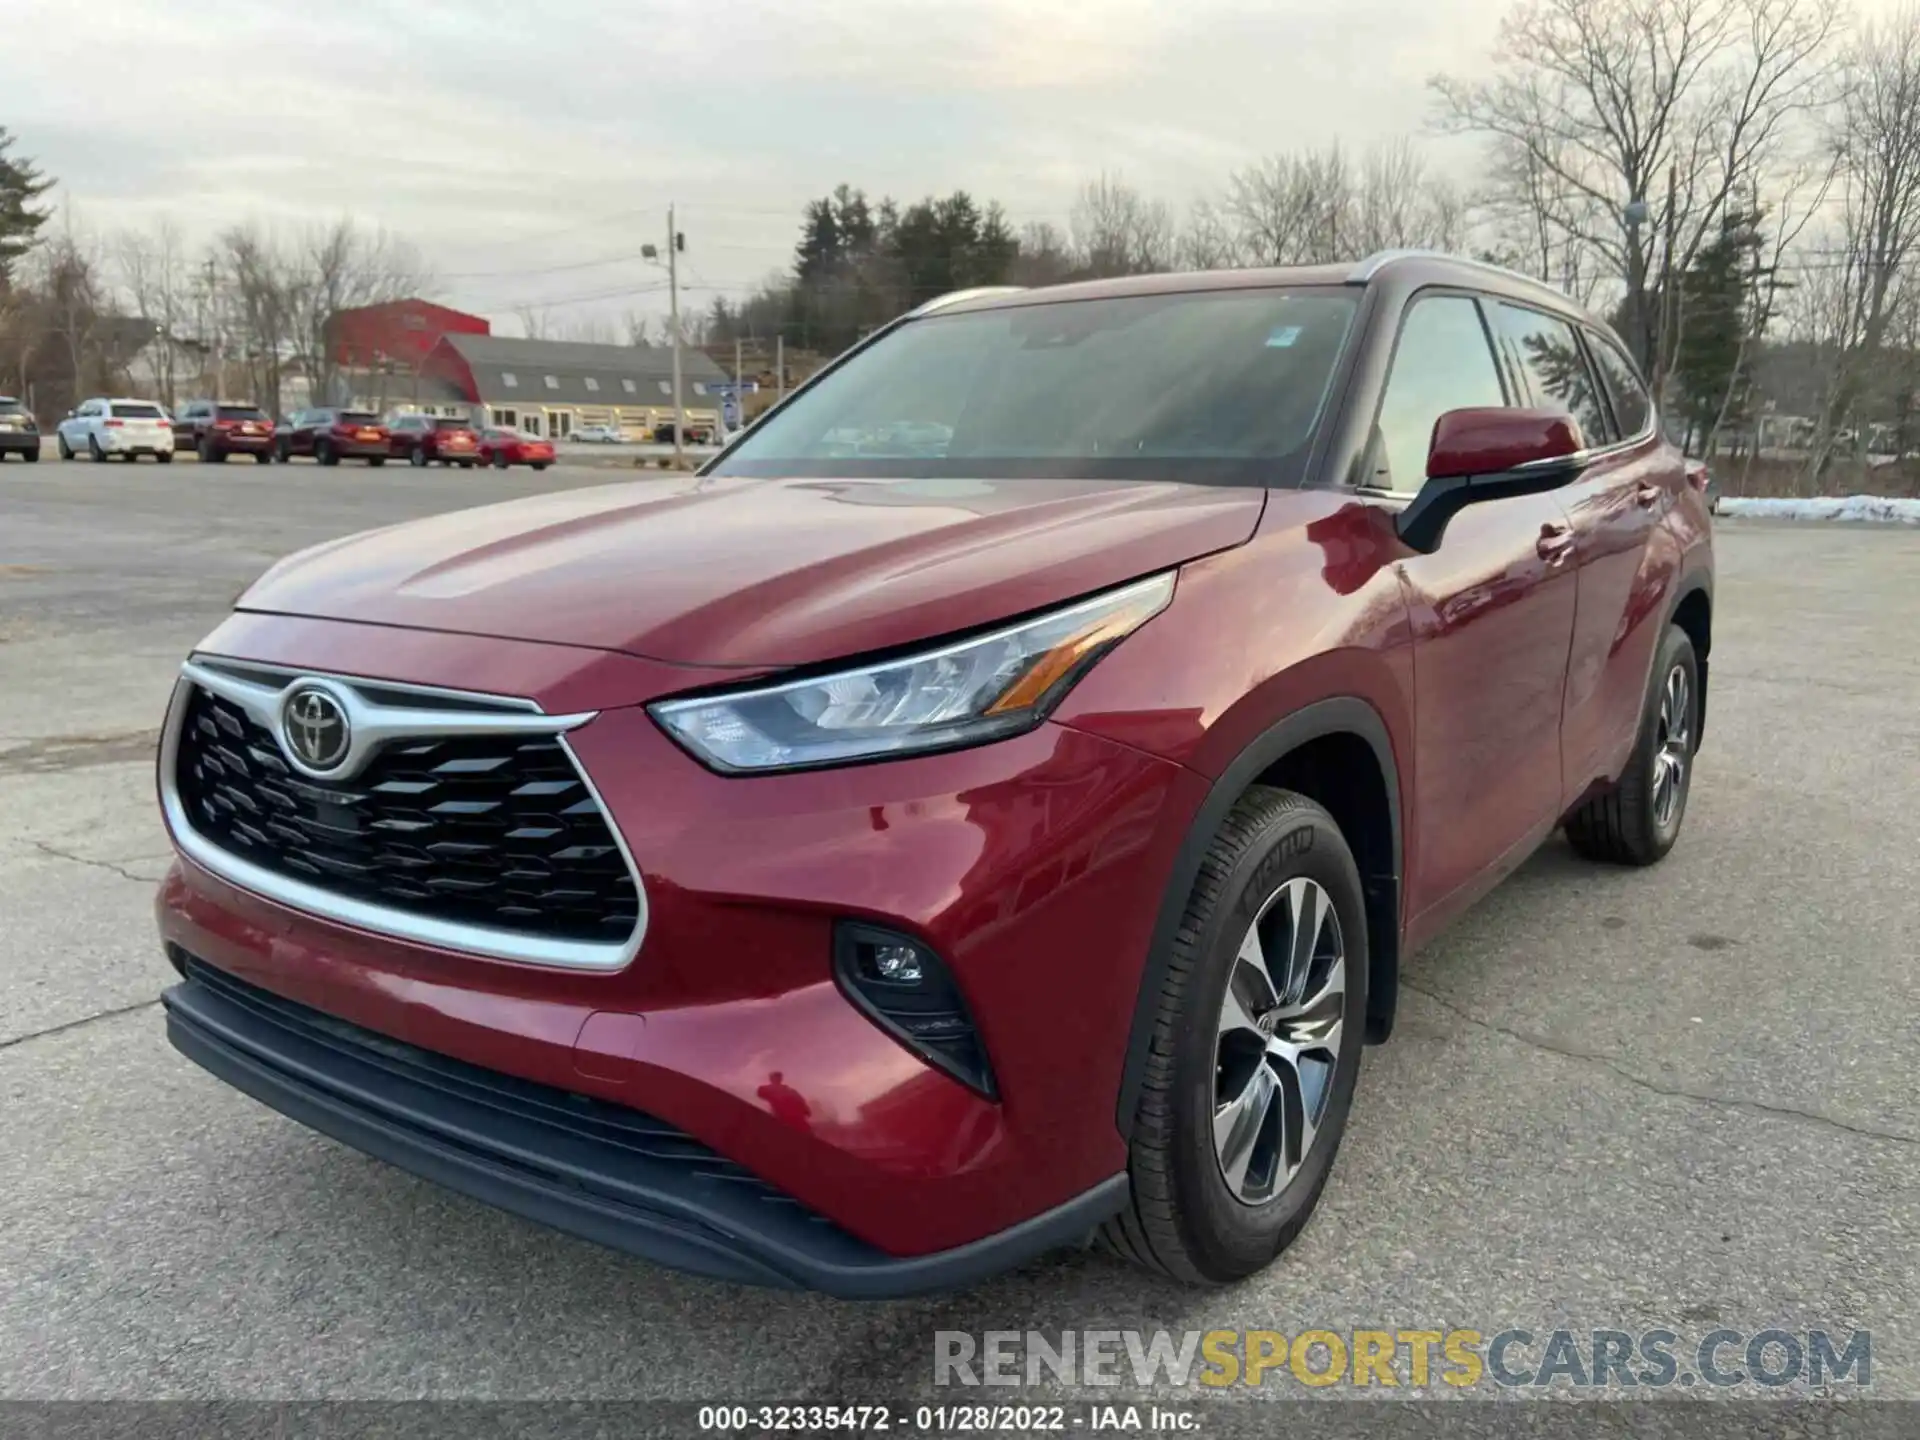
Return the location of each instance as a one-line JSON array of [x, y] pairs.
[[314, 727]]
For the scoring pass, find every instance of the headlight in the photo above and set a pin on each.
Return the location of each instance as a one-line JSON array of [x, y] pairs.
[[962, 694]]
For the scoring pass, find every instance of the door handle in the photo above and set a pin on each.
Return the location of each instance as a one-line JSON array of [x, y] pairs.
[[1555, 544], [1646, 494]]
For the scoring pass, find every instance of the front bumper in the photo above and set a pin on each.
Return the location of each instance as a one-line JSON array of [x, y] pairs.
[[1032, 867], [603, 1172]]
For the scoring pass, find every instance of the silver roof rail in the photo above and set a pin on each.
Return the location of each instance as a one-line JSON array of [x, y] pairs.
[[1375, 263], [955, 297]]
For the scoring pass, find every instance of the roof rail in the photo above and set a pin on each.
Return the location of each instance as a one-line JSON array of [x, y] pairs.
[[1375, 263], [955, 297]]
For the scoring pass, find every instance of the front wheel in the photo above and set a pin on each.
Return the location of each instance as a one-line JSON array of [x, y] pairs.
[[500, 461], [417, 456], [325, 453], [1255, 1047], [60, 444], [539, 465], [1637, 820]]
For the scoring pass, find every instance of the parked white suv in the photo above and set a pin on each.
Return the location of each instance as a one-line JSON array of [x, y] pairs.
[[127, 428]]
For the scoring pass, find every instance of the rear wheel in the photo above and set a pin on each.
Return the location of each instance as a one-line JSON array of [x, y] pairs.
[[94, 452], [325, 453], [1637, 821], [500, 460], [376, 460], [261, 457], [539, 465], [165, 457], [32, 457], [417, 455], [1255, 1047]]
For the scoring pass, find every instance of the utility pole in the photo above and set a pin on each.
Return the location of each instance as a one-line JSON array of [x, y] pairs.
[[213, 312], [779, 367], [739, 386], [674, 242]]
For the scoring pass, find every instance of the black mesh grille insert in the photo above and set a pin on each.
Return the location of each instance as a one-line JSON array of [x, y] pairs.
[[495, 830]]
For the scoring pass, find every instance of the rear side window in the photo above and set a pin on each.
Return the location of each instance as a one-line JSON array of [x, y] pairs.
[[1441, 362], [137, 412], [1549, 357], [1631, 405]]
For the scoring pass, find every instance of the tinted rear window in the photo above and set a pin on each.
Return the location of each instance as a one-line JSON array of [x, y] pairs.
[[242, 412], [137, 412], [358, 417], [1224, 386], [453, 425]]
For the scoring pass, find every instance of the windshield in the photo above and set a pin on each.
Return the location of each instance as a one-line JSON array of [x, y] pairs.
[[1221, 386]]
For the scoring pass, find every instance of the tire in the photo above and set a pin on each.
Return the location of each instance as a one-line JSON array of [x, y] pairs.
[[94, 452], [417, 456], [539, 465], [376, 461], [1184, 1217], [324, 453], [261, 457], [32, 457], [165, 457], [466, 464], [1637, 821], [60, 443], [500, 461]]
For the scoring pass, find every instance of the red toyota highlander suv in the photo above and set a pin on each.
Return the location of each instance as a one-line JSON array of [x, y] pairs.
[[863, 867]]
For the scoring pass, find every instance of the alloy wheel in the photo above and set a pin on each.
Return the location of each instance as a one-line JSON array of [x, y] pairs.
[[1673, 749], [1278, 1040]]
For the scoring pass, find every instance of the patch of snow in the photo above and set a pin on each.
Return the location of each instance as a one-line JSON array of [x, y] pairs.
[[1876, 509]]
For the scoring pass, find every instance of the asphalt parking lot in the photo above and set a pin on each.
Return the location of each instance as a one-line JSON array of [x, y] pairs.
[[1688, 1097]]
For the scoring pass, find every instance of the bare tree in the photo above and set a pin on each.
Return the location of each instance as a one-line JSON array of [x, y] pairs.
[[1626, 127], [152, 269], [1858, 281], [1116, 230], [1045, 256], [1208, 241], [343, 267], [260, 309], [637, 328], [536, 321]]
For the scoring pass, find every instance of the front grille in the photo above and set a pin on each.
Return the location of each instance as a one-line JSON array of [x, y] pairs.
[[494, 830]]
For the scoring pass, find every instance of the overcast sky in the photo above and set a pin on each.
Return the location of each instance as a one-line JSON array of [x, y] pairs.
[[508, 138]]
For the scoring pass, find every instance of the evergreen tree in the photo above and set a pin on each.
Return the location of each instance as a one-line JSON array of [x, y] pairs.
[[1715, 293], [20, 185]]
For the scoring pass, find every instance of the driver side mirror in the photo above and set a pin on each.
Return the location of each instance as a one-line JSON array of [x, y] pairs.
[[1490, 454]]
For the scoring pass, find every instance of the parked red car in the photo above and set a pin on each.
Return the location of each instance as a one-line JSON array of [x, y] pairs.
[[330, 436], [866, 873], [501, 448], [422, 439], [213, 431]]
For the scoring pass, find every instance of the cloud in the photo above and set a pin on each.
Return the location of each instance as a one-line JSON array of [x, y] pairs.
[[506, 137]]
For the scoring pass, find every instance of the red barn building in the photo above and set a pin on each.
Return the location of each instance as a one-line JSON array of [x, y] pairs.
[[402, 332]]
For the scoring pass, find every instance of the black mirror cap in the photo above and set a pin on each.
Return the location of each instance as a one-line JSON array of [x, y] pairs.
[[927, 1014], [1423, 523]]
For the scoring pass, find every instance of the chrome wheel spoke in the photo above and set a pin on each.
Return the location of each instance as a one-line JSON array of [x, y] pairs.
[[1239, 1124], [1278, 1040]]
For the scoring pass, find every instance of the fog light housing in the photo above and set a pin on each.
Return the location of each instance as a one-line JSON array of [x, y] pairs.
[[900, 984]]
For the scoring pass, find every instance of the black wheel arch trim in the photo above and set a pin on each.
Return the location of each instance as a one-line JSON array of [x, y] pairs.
[[1700, 583], [1342, 715]]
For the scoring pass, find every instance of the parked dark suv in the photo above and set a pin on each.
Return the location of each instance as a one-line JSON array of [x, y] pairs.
[[19, 431], [331, 436], [867, 871], [215, 430], [422, 439]]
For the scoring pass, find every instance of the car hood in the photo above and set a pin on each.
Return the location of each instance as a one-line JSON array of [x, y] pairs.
[[758, 574]]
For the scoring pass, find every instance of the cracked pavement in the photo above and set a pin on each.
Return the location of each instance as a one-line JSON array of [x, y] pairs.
[[1688, 1096]]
